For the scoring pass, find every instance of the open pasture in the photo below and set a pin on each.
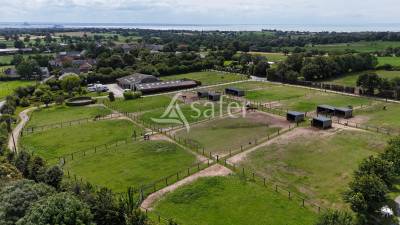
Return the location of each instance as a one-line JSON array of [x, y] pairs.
[[271, 56], [221, 135], [361, 46], [380, 114], [208, 77], [351, 78], [59, 114], [132, 164], [316, 163], [231, 200], [309, 102], [7, 87], [58, 142], [394, 61], [139, 105]]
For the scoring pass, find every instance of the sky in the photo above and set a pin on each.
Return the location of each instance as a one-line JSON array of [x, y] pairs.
[[202, 11]]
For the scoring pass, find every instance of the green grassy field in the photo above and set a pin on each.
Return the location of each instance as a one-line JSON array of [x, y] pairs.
[[240, 131], [57, 114], [230, 200], [271, 56], [61, 141], [133, 164], [208, 78], [362, 46], [7, 87], [141, 104], [311, 101], [318, 164], [6, 59], [351, 78], [394, 61], [376, 116]]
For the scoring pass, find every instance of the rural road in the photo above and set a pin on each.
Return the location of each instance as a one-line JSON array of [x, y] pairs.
[[17, 130]]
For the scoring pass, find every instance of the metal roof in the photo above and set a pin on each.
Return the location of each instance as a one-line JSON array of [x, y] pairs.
[[326, 107], [322, 118], [294, 113], [344, 109]]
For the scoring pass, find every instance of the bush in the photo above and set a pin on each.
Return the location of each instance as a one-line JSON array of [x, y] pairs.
[[128, 95], [111, 96], [61, 208], [80, 101], [24, 102]]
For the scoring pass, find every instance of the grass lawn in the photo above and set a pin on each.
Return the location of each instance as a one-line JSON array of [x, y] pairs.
[[61, 141], [231, 200], [310, 101], [377, 117], [57, 114], [208, 78], [221, 135], [277, 92], [394, 61], [133, 164], [141, 104], [318, 164], [7, 87], [351, 78], [6, 59], [271, 56]]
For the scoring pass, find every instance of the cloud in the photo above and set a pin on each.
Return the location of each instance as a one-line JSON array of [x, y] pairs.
[[201, 11]]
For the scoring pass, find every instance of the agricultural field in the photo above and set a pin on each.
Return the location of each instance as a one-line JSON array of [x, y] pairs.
[[362, 46], [5, 59], [57, 142], [394, 61], [351, 78], [271, 56], [242, 131], [132, 164], [59, 114], [318, 164], [309, 102], [231, 200], [7, 87], [208, 78], [140, 105]]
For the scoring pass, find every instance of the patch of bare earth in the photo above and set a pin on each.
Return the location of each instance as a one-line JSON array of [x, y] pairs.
[[212, 171], [267, 119], [285, 139]]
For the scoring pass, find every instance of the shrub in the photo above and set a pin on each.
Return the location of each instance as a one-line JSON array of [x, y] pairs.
[[111, 96], [128, 95], [24, 102]]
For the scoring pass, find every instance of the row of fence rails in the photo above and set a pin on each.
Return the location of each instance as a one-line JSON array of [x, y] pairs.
[[98, 149], [233, 152], [148, 189], [34, 129], [349, 123], [268, 182], [157, 218]]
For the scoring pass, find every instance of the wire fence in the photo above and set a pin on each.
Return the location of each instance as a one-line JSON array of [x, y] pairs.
[[35, 129], [252, 176]]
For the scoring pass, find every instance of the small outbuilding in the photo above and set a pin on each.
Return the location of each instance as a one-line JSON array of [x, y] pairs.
[[344, 112], [234, 91], [325, 109], [202, 94], [296, 117], [214, 96], [322, 122]]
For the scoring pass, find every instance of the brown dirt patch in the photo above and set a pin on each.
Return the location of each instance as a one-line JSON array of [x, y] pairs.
[[267, 119]]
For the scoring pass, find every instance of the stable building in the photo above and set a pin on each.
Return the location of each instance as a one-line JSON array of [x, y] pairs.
[[325, 109], [163, 86], [344, 112], [296, 117], [130, 82], [214, 96], [202, 94], [322, 122], [234, 91]]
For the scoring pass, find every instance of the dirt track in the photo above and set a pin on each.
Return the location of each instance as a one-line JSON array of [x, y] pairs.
[[212, 171], [17, 130]]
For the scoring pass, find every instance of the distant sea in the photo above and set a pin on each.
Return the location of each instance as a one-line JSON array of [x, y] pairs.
[[211, 27]]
